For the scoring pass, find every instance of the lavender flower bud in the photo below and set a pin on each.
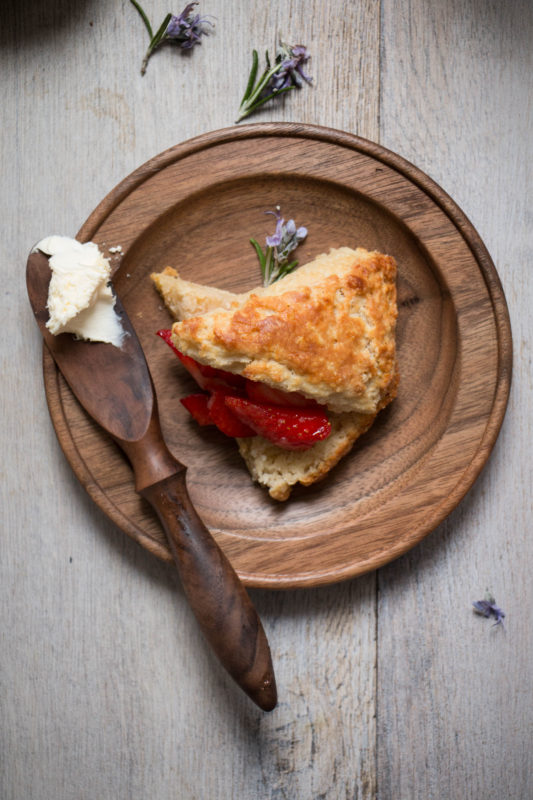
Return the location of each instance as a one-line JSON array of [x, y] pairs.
[[488, 608], [187, 29], [292, 58], [275, 239]]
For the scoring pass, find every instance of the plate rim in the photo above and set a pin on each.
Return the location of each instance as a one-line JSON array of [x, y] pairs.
[[472, 239]]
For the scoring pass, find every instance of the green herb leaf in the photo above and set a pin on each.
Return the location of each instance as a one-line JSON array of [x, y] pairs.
[[251, 79], [260, 254], [270, 96], [144, 18], [267, 272], [161, 32], [286, 268]]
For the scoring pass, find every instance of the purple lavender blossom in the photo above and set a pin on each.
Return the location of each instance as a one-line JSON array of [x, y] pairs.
[[488, 608], [274, 261], [275, 239], [186, 28], [286, 237], [291, 73]]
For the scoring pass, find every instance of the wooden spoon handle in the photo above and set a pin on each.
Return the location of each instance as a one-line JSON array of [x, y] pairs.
[[216, 595]]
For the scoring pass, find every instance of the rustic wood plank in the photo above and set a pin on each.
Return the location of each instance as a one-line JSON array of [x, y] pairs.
[[454, 694], [107, 687]]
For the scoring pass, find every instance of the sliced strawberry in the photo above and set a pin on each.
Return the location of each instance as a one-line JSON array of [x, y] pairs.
[[289, 428], [261, 393], [198, 372], [209, 378], [223, 417], [196, 405], [166, 335]]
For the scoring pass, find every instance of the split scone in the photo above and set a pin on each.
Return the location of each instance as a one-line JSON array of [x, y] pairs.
[[325, 331]]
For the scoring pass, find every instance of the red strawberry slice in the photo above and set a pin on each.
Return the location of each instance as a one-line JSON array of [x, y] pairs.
[[228, 422], [289, 428], [166, 335], [209, 378], [261, 393], [196, 405], [200, 374]]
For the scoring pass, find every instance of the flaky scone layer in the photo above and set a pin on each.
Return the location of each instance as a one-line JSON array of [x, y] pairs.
[[185, 299], [279, 470], [326, 330]]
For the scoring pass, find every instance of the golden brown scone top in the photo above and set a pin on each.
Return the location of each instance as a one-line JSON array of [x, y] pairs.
[[326, 330]]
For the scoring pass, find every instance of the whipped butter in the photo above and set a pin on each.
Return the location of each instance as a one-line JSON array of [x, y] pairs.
[[80, 300]]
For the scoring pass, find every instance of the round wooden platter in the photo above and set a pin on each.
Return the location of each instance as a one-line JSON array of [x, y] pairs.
[[195, 207]]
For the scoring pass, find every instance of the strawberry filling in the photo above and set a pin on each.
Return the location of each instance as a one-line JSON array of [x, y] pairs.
[[197, 406], [208, 378], [261, 393], [288, 427], [243, 408], [226, 421]]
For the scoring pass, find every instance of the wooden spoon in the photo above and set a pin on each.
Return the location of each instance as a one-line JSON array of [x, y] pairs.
[[114, 386]]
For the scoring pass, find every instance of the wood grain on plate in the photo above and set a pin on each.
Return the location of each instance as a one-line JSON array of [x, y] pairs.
[[195, 207]]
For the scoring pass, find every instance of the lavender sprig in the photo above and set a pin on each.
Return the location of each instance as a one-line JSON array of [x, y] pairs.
[[286, 74], [274, 261], [186, 30], [488, 608]]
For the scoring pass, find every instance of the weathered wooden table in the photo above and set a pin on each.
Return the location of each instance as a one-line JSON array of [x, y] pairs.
[[390, 686]]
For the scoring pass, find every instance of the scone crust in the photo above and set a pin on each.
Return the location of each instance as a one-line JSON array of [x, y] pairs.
[[279, 470], [326, 330], [186, 299]]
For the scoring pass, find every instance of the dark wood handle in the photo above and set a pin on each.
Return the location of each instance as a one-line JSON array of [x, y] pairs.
[[216, 595]]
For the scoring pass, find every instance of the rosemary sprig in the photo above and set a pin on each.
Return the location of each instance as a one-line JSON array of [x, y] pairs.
[[186, 30], [273, 261], [286, 74], [255, 95]]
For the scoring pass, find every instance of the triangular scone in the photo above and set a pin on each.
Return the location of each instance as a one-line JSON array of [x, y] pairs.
[[271, 466], [326, 330]]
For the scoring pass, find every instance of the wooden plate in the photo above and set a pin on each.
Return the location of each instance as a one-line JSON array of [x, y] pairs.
[[195, 207]]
